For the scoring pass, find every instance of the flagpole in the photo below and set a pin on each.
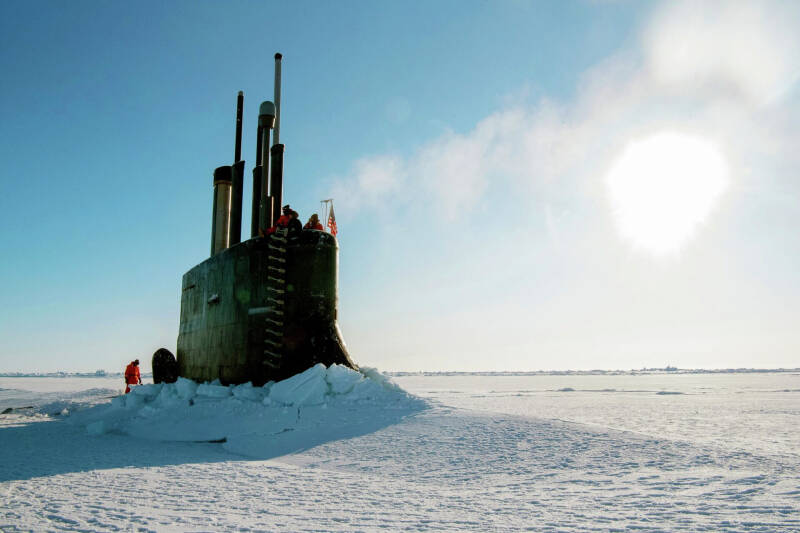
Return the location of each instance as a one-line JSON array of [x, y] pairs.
[[327, 204], [332, 220]]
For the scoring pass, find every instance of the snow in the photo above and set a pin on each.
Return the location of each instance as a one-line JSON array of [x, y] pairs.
[[307, 409], [211, 391], [307, 388], [336, 450]]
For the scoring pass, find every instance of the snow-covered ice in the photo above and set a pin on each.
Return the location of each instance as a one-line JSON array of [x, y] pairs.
[[336, 450]]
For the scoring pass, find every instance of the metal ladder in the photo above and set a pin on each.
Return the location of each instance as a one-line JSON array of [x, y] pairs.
[[276, 288]]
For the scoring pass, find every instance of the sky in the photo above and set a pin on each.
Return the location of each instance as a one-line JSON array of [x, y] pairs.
[[518, 185]]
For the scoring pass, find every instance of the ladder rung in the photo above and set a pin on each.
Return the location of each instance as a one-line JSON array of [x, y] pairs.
[[271, 342], [276, 280], [276, 258], [276, 311], [276, 322], [279, 302], [273, 332], [278, 291], [277, 269], [270, 363], [277, 248]]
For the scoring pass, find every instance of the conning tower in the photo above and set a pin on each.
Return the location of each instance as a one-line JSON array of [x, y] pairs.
[[266, 308]]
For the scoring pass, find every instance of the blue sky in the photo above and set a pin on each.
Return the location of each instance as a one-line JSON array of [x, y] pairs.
[[467, 145]]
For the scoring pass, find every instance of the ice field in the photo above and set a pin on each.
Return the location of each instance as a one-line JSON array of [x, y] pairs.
[[333, 450]]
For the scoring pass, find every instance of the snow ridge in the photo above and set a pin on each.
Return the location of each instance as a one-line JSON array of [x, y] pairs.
[[300, 412]]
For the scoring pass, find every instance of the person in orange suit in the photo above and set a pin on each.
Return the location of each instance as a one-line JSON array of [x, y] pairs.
[[282, 222], [313, 223], [132, 376]]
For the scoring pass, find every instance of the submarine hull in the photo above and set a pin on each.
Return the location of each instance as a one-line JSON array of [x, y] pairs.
[[262, 310]]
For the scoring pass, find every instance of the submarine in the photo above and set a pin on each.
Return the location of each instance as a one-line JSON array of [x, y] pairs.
[[265, 308]]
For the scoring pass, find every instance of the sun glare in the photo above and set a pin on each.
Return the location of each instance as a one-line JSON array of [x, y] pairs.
[[662, 187]]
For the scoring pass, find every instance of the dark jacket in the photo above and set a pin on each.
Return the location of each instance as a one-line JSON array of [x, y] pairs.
[[295, 226]]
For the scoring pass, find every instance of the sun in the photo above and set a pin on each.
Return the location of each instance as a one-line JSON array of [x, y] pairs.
[[663, 187]]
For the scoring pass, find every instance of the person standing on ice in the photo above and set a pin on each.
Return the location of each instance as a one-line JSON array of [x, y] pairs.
[[132, 376]]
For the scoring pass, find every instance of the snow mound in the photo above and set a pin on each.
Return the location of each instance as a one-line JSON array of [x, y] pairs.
[[342, 379], [246, 391], [307, 409], [185, 388], [213, 391], [307, 388]]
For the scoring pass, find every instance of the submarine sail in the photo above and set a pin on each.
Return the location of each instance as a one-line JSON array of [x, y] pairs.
[[265, 308]]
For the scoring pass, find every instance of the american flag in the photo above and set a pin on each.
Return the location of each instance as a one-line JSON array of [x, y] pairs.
[[332, 222]]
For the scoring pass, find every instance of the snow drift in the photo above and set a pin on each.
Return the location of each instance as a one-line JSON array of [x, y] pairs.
[[305, 410]]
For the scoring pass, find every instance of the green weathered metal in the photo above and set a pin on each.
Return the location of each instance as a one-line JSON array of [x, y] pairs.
[[256, 313]]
